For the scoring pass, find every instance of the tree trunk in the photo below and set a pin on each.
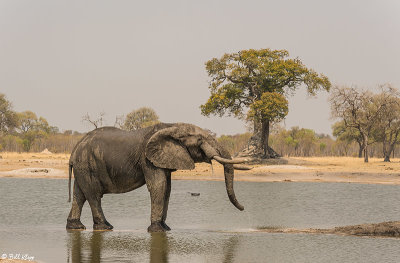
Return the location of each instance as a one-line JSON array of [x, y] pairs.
[[393, 151], [268, 152], [265, 137], [387, 154], [360, 150], [365, 148]]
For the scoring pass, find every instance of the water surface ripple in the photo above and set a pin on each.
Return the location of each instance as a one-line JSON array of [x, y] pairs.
[[205, 228]]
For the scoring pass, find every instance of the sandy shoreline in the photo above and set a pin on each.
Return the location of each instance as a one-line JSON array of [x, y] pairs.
[[311, 169], [383, 229]]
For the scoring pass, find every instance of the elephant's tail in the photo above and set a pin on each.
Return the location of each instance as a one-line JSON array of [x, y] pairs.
[[69, 182]]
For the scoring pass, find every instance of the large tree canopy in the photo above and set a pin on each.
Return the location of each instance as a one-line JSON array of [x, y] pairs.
[[254, 85], [141, 118]]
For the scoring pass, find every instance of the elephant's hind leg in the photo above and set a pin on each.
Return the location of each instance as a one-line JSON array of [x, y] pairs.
[[93, 191], [99, 220], [74, 218]]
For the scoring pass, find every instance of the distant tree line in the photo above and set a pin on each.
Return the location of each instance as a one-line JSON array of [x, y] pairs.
[[26, 132], [301, 142], [368, 125]]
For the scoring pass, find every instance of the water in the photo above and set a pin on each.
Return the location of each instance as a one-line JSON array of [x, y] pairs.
[[206, 228]]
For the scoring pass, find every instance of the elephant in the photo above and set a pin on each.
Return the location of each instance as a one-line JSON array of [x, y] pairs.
[[110, 160]]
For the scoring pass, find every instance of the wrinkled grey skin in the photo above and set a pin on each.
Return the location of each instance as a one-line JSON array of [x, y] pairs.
[[110, 160]]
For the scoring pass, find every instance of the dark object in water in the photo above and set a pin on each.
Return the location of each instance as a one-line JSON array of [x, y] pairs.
[[195, 194]]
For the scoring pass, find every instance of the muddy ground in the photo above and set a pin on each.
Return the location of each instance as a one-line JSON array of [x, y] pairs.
[[384, 229]]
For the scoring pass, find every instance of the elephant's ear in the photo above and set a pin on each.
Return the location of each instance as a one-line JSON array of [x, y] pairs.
[[164, 150]]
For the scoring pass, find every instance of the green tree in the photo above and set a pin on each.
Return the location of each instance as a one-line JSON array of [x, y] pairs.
[[303, 140], [234, 143], [140, 118], [254, 85], [359, 110], [8, 118], [387, 128], [32, 128], [348, 134]]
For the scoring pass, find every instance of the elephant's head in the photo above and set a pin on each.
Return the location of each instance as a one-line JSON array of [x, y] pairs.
[[180, 146]]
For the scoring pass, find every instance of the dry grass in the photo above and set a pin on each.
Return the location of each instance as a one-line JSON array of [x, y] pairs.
[[349, 164], [295, 169], [12, 161]]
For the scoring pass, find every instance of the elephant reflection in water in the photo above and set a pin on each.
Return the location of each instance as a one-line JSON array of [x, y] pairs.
[[230, 248], [159, 248], [87, 247], [79, 242]]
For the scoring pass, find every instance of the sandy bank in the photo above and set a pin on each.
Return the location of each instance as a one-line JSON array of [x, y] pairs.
[[384, 229], [312, 169]]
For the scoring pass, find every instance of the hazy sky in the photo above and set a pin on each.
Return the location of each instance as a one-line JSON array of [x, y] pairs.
[[62, 59]]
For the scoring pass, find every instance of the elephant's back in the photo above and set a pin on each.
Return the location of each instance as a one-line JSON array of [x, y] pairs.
[[101, 141]]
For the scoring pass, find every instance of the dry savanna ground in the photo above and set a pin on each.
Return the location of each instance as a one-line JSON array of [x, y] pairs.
[[297, 169]]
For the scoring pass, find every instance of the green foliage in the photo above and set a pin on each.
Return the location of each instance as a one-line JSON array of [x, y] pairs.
[[31, 128], [297, 142], [253, 85], [322, 147], [257, 79], [271, 106], [140, 118], [8, 118], [347, 134], [234, 143]]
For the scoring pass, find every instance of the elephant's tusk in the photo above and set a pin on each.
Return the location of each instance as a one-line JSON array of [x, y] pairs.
[[241, 167], [228, 161]]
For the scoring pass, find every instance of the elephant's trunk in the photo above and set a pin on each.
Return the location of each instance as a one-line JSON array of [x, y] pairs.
[[227, 162], [229, 174]]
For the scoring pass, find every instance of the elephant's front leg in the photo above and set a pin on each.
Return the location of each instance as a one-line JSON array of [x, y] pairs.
[[166, 201], [157, 184]]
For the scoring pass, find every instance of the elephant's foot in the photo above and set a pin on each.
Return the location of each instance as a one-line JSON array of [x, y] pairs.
[[75, 224], [108, 224], [165, 226], [156, 227], [103, 226]]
